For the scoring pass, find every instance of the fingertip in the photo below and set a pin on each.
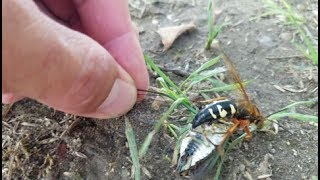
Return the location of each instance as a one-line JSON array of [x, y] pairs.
[[127, 52], [119, 101]]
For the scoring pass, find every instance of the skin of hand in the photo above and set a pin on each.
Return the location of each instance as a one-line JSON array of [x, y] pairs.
[[78, 56]]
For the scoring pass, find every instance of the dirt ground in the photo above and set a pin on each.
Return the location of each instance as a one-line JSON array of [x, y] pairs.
[[34, 146]]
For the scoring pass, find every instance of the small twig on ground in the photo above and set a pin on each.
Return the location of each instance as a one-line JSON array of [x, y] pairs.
[[12, 157], [238, 23], [7, 111], [177, 72], [71, 127], [286, 57], [314, 90]]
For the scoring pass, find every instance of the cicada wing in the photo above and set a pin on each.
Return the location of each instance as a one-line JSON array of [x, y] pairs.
[[198, 146]]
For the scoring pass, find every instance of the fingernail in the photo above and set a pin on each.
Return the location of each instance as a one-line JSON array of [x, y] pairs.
[[120, 100]]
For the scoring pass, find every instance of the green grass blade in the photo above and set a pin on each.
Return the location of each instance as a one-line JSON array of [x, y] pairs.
[[306, 103], [216, 82], [179, 129], [203, 67], [176, 151], [174, 96], [172, 131], [163, 75], [145, 146], [210, 25], [203, 76], [311, 53], [297, 116], [205, 96], [219, 169], [133, 149], [296, 21], [314, 177], [162, 82], [178, 144]]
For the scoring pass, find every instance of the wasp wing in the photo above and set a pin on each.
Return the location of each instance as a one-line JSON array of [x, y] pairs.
[[235, 77]]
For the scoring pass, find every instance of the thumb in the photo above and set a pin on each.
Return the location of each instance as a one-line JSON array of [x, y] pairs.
[[59, 67]]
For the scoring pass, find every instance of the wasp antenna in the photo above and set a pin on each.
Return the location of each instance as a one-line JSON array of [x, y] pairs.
[[275, 112], [153, 92]]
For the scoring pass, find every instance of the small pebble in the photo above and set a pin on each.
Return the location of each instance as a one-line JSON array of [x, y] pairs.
[[295, 153], [272, 151], [230, 158], [301, 7], [299, 166], [155, 22], [266, 41], [169, 16], [242, 167], [286, 36], [288, 143]]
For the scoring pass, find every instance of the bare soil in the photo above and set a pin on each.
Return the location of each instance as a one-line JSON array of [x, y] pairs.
[[34, 146]]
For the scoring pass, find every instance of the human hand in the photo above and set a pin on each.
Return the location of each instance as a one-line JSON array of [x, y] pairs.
[[94, 73]]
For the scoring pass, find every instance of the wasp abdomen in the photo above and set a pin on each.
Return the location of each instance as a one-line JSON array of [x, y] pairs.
[[215, 111]]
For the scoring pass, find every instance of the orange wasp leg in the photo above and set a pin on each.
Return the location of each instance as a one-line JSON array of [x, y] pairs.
[[236, 123], [230, 131], [245, 125]]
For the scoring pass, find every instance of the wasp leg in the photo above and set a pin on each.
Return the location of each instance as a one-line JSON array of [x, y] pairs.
[[223, 121], [213, 100], [245, 125], [229, 132]]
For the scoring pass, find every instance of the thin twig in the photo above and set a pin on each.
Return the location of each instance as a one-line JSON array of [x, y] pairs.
[[71, 127], [286, 57], [177, 72], [7, 111]]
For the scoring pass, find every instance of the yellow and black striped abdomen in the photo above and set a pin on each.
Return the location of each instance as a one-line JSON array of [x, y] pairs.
[[215, 111]]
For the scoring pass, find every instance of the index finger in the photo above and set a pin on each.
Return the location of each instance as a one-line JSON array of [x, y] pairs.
[[109, 23]]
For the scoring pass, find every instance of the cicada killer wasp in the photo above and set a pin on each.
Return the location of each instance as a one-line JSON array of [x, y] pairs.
[[242, 112], [207, 133]]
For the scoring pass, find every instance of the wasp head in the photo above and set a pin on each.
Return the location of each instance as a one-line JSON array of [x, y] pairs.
[[251, 113]]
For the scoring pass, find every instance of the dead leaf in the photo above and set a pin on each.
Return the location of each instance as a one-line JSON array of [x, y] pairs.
[[157, 103], [264, 176], [290, 89], [146, 172], [79, 154], [279, 88], [170, 34]]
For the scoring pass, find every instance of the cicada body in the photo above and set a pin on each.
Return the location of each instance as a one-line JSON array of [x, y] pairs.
[[199, 144]]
